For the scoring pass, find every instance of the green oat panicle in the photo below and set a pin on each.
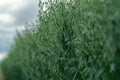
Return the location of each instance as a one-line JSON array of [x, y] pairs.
[[74, 40]]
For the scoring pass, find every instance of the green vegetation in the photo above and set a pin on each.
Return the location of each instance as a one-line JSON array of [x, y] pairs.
[[1, 76], [73, 40]]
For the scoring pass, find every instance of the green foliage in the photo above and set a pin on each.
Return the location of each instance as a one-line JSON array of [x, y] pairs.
[[74, 40]]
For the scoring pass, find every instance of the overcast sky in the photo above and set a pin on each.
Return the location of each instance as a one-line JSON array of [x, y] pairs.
[[14, 14]]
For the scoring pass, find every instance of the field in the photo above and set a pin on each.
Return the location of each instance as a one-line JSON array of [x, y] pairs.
[[72, 40]]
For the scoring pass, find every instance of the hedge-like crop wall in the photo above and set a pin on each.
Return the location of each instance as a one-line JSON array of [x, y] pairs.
[[73, 40]]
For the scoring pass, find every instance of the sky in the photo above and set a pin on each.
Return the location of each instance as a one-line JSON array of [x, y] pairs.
[[14, 14]]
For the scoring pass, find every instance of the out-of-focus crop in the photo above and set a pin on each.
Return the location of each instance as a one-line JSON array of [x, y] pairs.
[[73, 40]]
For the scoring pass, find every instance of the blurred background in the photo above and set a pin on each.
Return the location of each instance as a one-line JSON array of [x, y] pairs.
[[14, 15]]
